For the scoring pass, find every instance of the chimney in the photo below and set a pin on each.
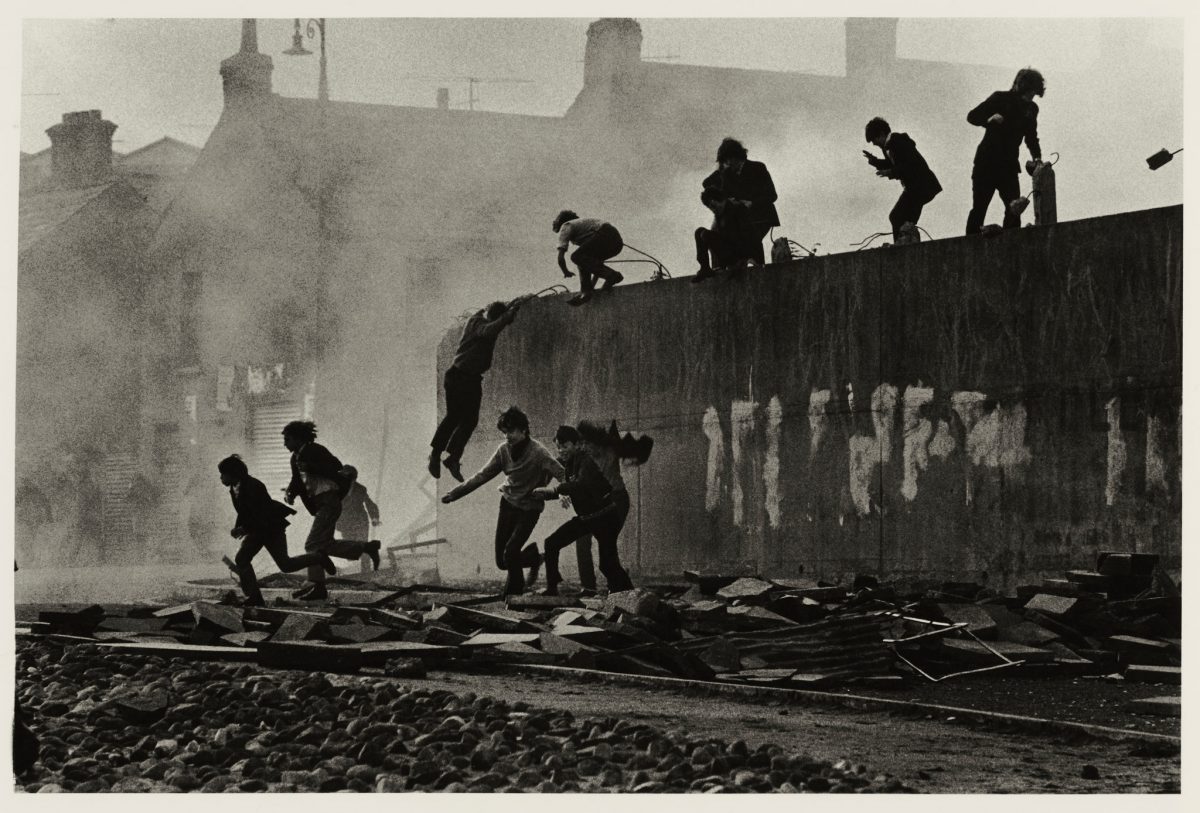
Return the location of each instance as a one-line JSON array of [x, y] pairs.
[[81, 149], [246, 76], [870, 46], [443, 98], [613, 53]]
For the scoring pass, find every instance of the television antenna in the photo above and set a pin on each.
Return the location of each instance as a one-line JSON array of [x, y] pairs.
[[472, 81]]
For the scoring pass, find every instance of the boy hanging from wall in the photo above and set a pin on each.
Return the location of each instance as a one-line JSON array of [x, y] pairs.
[[527, 465]]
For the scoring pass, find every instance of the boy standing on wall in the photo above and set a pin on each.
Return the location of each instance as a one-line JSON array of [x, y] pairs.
[[902, 162]]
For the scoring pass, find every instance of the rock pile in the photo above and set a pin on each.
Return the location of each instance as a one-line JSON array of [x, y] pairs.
[[119, 722]]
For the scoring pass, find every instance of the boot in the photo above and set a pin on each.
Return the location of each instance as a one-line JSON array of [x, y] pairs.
[[373, 551], [435, 465], [454, 466], [317, 593]]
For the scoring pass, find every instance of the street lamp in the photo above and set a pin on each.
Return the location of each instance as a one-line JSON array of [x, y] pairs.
[[312, 27]]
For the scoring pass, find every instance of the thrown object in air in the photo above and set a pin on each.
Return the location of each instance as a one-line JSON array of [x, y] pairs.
[[1161, 157]]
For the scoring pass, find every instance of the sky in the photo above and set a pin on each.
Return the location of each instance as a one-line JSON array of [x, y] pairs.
[[158, 77]]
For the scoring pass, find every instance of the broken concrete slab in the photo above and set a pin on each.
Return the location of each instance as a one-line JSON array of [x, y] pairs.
[[1051, 605], [708, 582], [1150, 673], [800, 609], [125, 624], [635, 602], [216, 617], [1090, 580], [299, 627], [553, 644], [976, 652], [436, 634], [72, 620], [745, 589], [245, 638], [517, 651], [977, 619], [468, 617], [1028, 633], [309, 655], [532, 601], [1141, 650], [752, 617], [497, 638], [722, 655], [358, 633], [394, 619], [175, 649], [1158, 706]]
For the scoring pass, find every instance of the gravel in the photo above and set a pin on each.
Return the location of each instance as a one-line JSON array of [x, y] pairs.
[[215, 727]]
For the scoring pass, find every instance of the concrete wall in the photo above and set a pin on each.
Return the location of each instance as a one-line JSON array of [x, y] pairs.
[[1006, 405]]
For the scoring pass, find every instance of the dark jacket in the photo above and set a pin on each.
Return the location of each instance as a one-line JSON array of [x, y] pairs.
[[753, 183], [998, 151], [478, 342], [584, 483], [315, 460], [256, 511], [357, 508], [908, 166]]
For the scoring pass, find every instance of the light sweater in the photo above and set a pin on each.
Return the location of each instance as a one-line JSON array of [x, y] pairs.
[[533, 469]]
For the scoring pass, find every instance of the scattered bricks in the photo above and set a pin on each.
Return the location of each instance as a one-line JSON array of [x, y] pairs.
[[709, 583], [394, 619], [1028, 633], [1140, 650], [553, 644], [245, 638], [497, 638], [977, 619], [757, 618], [746, 590], [633, 602], [298, 627], [1148, 673], [357, 633], [311, 656], [1090, 580], [975, 652], [214, 617], [1054, 606], [1158, 706], [532, 601], [722, 655]]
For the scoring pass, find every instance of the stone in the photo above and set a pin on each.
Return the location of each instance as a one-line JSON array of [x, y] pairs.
[[1149, 673], [214, 617], [748, 616], [746, 589], [395, 619], [405, 667], [357, 633], [245, 638], [634, 602], [297, 627], [533, 601], [977, 619], [553, 644], [1054, 606]]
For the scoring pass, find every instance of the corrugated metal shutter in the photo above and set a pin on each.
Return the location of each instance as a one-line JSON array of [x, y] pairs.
[[116, 519], [269, 460]]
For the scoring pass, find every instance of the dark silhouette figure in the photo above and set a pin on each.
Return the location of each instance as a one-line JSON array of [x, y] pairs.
[[742, 197], [463, 384], [359, 513], [597, 241], [261, 523], [1008, 116], [902, 162], [321, 482]]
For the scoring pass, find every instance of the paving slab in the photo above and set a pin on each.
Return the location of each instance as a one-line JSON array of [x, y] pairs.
[[1158, 706], [1151, 673]]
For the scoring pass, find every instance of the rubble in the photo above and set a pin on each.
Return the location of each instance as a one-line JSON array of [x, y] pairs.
[[785, 632]]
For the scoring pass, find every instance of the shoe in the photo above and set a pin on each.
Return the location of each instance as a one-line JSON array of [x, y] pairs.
[[454, 466], [328, 564], [317, 593], [373, 551], [579, 299], [435, 466], [587, 592], [551, 590], [257, 602], [534, 569], [616, 279], [702, 274], [303, 591]]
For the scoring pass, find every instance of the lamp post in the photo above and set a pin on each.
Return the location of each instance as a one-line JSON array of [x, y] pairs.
[[312, 27]]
